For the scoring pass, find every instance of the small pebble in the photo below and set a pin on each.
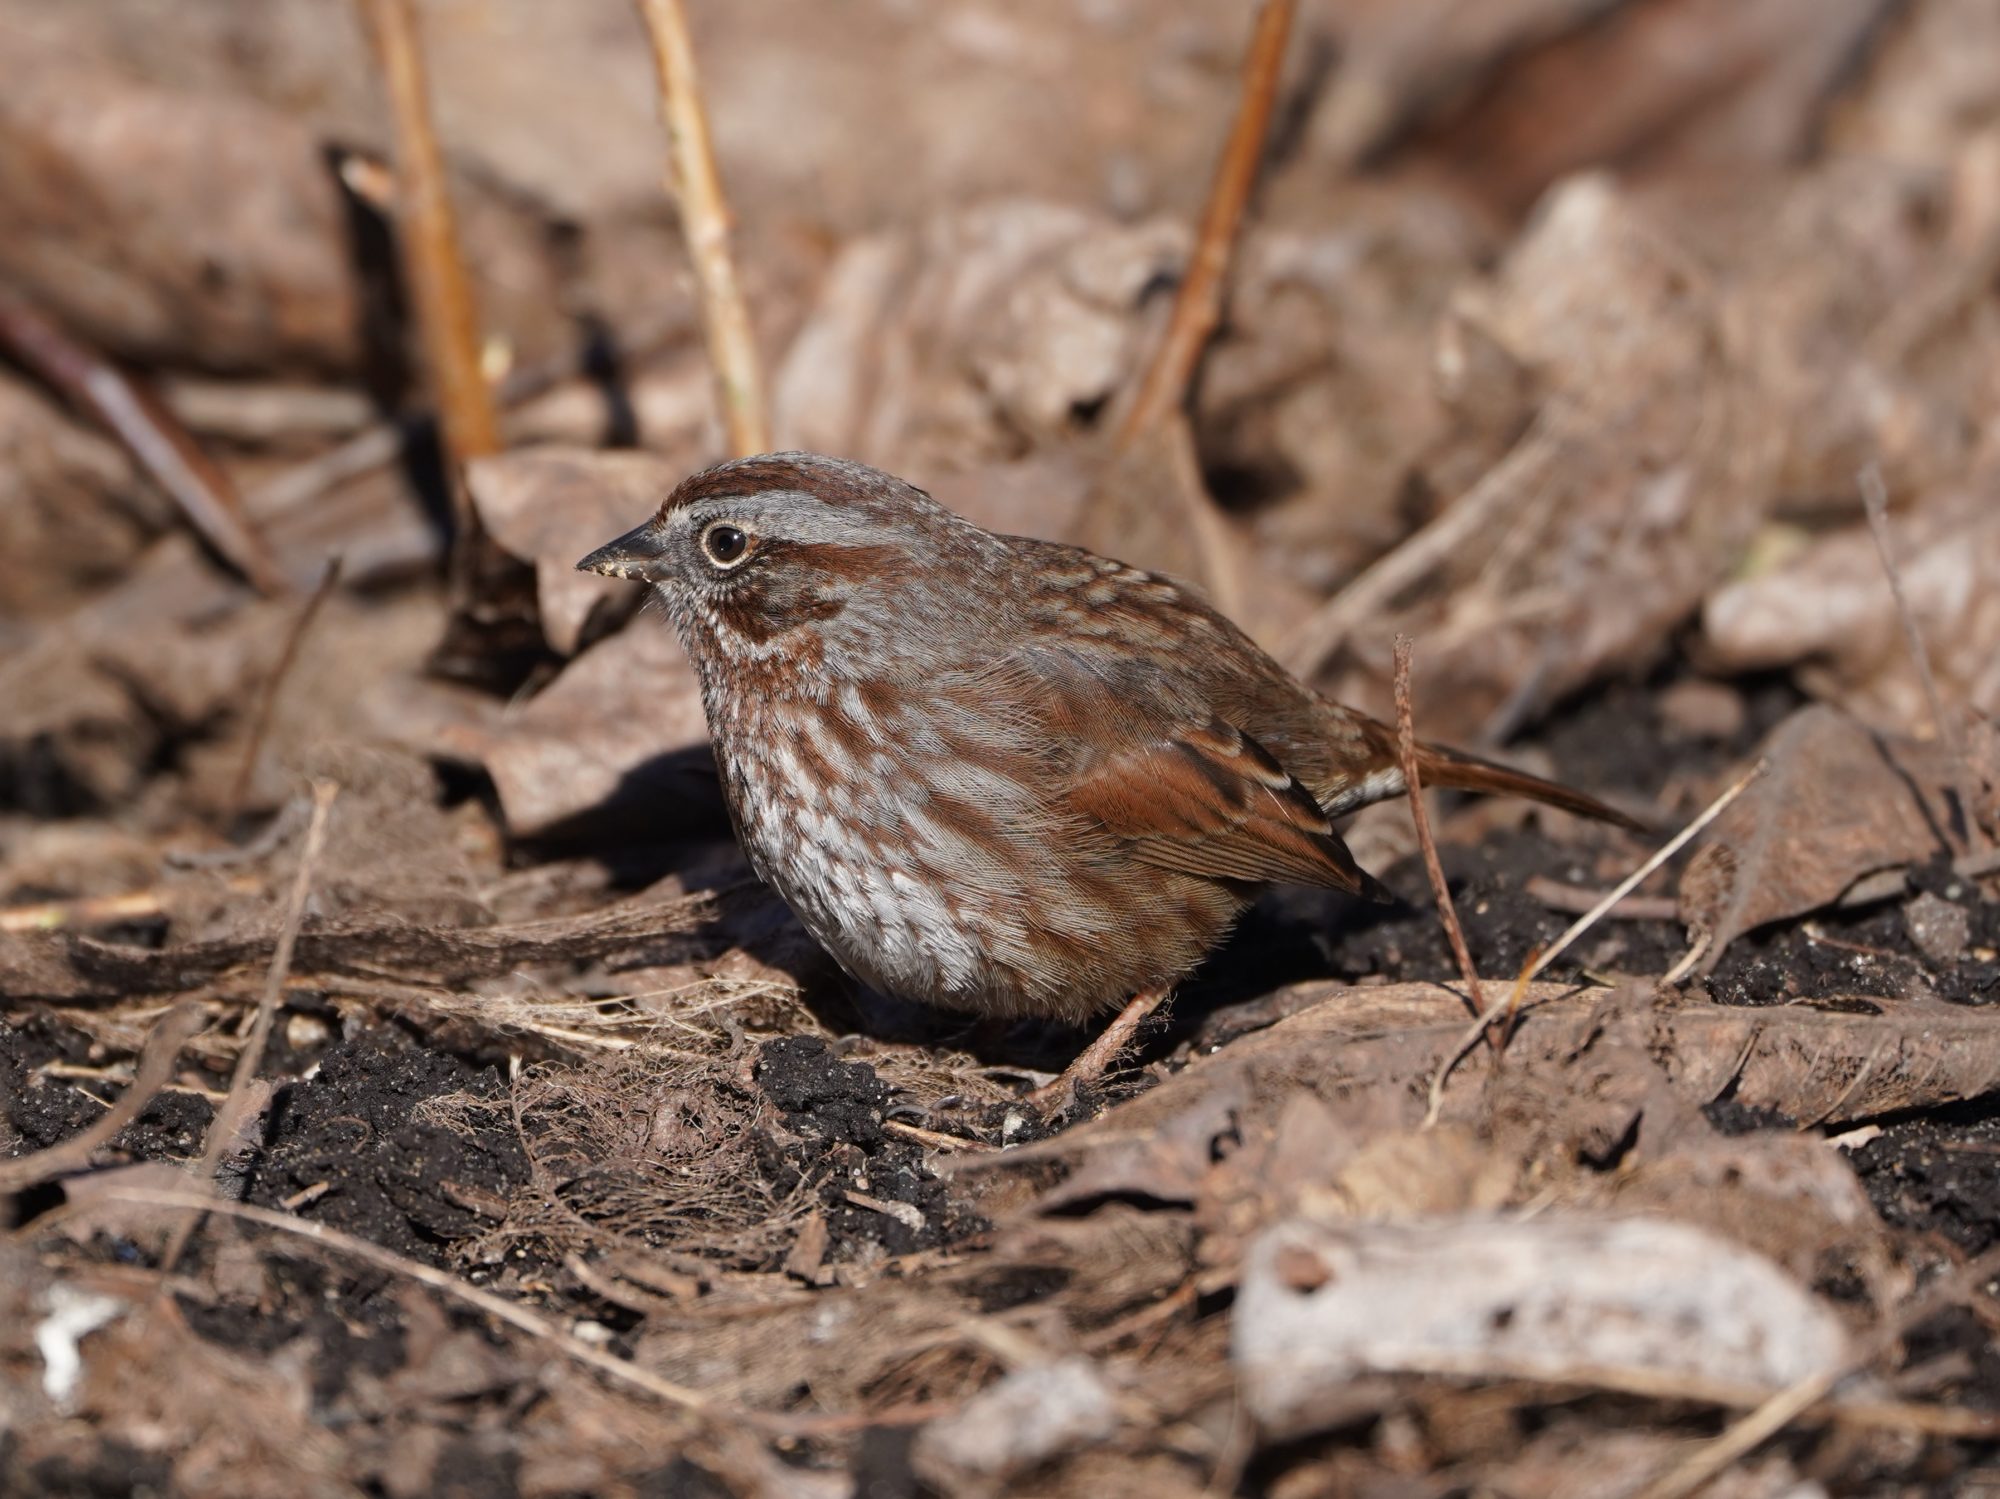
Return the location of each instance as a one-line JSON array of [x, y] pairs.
[[1939, 929]]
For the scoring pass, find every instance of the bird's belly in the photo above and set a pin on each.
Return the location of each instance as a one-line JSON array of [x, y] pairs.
[[886, 928]]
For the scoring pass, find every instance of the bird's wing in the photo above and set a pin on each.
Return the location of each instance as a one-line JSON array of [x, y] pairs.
[[1209, 800], [1131, 750]]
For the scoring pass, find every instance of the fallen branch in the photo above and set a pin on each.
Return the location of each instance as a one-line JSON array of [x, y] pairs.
[[222, 1128], [1198, 305], [705, 221], [150, 433]]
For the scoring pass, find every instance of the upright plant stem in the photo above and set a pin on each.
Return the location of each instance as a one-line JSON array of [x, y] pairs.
[[1198, 306], [447, 316], [705, 221]]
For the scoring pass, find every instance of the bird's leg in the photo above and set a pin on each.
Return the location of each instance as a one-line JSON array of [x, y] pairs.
[[1096, 1059]]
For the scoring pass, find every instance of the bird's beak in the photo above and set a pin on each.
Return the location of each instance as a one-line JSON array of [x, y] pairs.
[[635, 555]]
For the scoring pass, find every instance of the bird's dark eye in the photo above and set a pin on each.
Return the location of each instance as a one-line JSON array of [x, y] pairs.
[[725, 544]]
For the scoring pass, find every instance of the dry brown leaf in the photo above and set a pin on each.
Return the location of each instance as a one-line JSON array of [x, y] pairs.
[[1837, 802], [73, 515], [618, 740], [1843, 288], [979, 334], [176, 644], [1367, 1055], [1333, 382], [549, 506], [1789, 1196], [211, 225], [1402, 61]]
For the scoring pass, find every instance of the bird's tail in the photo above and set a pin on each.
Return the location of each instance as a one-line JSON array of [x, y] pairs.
[[1454, 770]]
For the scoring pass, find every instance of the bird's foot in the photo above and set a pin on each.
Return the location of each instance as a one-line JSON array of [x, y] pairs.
[[1057, 1096]]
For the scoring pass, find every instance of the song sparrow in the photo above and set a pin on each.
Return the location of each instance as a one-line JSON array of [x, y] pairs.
[[991, 773]]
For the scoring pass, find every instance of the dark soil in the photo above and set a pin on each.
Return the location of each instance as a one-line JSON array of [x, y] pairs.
[[345, 1136], [832, 1143], [1939, 1173], [44, 1109]]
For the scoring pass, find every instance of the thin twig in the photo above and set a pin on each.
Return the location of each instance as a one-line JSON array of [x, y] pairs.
[[498, 1307], [1700, 1467], [267, 695], [1198, 305], [1875, 500], [935, 1139], [151, 433], [705, 221], [1406, 750], [1317, 641], [447, 316], [156, 1066], [222, 1128], [1632, 881], [1697, 950], [1483, 1023], [261, 412]]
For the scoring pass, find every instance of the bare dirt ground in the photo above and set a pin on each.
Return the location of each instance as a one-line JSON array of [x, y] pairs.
[[1622, 355]]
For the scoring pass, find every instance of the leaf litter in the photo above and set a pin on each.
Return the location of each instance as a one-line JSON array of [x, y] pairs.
[[1579, 410]]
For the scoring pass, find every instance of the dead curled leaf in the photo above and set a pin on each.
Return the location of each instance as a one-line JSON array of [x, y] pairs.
[[1514, 93], [1367, 1055], [548, 506], [100, 172], [1838, 801], [619, 739], [951, 341]]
